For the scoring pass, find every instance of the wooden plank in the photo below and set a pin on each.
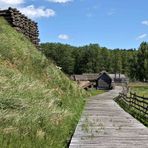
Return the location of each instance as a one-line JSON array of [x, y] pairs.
[[105, 125]]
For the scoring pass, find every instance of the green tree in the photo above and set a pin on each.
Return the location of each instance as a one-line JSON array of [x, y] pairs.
[[142, 58], [61, 55], [93, 59]]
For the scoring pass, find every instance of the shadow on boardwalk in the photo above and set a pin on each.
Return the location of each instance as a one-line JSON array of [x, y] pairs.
[[105, 125]]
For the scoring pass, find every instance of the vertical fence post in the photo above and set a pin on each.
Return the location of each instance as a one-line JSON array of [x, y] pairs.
[[142, 105], [146, 112], [130, 99]]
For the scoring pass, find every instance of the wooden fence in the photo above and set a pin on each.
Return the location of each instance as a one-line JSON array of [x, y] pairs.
[[22, 24], [136, 103]]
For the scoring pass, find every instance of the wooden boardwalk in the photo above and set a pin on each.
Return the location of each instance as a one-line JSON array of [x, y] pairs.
[[105, 125]]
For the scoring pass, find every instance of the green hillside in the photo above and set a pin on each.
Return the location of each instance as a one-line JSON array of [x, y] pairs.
[[39, 105]]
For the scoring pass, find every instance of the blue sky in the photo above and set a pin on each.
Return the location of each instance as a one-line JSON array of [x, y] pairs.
[[110, 23]]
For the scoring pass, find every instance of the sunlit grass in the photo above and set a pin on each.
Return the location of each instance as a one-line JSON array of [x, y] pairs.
[[140, 89], [39, 105], [95, 92]]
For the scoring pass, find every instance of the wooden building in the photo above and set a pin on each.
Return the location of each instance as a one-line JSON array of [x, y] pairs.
[[101, 80], [104, 81], [89, 79], [119, 78]]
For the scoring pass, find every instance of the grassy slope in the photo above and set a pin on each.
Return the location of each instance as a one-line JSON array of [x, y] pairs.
[[39, 106]]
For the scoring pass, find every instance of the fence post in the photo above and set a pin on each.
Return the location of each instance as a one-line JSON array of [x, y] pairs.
[[134, 98], [130, 99], [143, 104], [146, 112]]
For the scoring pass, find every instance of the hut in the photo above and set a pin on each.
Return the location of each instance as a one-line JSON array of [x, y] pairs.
[[83, 81], [104, 81], [119, 78], [101, 80]]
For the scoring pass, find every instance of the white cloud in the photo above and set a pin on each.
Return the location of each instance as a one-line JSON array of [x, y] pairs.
[[142, 36], [60, 1], [63, 37], [10, 3], [33, 12], [145, 22]]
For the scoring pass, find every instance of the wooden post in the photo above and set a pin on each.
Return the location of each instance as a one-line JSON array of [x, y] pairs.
[[146, 111], [130, 99]]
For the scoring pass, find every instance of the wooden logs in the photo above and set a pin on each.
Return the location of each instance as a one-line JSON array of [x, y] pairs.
[[22, 24]]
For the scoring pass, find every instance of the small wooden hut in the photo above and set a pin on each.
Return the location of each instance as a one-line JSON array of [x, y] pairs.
[[104, 81]]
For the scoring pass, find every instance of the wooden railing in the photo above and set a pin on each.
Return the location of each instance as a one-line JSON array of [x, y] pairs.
[[136, 103]]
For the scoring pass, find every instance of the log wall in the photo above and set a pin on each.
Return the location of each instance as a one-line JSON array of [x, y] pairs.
[[22, 24]]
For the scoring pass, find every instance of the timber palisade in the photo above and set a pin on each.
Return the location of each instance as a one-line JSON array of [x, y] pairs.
[[22, 24], [104, 124]]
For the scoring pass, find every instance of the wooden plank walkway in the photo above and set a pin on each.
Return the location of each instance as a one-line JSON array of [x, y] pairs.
[[106, 125]]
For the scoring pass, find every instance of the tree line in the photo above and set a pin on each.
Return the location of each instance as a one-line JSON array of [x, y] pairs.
[[93, 59]]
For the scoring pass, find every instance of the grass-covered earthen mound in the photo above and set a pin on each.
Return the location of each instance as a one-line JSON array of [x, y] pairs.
[[39, 105]]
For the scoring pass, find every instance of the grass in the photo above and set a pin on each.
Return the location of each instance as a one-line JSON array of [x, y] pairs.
[[39, 105], [95, 92], [140, 89]]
